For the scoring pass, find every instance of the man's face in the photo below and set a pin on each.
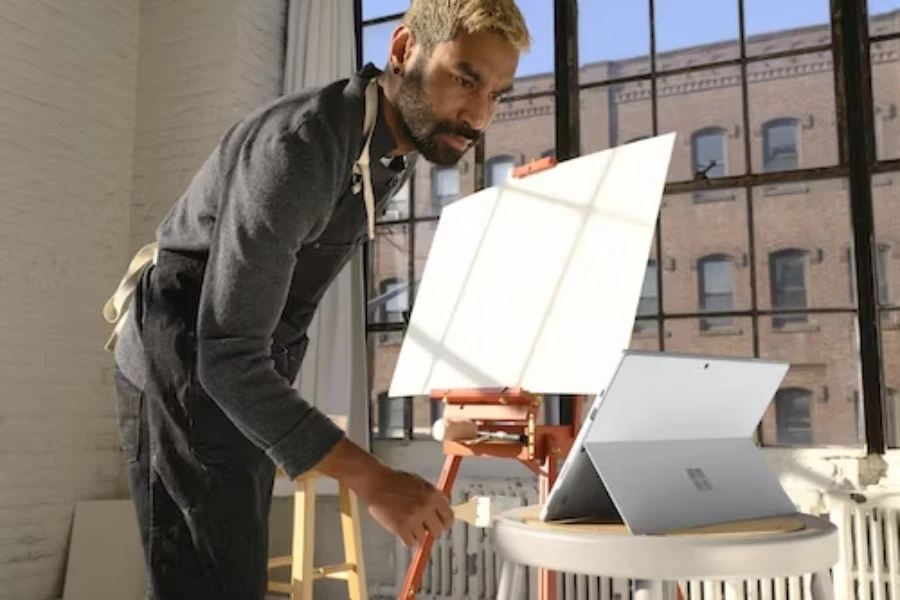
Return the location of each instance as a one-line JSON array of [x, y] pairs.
[[446, 100]]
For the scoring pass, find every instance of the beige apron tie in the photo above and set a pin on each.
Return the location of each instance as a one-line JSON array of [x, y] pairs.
[[361, 167], [116, 308]]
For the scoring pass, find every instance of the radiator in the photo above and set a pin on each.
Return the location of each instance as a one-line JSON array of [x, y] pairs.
[[464, 566]]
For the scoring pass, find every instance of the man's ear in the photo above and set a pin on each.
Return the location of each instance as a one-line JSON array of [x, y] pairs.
[[402, 42]]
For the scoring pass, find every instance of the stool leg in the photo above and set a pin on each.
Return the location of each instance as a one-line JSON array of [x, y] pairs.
[[353, 551], [303, 539], [512, 582], [654, 590], [822, 586]]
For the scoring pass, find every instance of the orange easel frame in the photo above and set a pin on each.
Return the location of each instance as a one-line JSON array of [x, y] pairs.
[[512, 410]]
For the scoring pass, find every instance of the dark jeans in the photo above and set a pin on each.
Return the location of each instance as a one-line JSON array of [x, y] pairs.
[[202, 490]]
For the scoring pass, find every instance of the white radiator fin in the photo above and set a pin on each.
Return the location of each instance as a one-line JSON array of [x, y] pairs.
[[463, 564]]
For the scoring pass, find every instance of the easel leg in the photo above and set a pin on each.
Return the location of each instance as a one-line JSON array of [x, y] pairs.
[[423, 551], [303, 539], [353, 551], [546, 578]]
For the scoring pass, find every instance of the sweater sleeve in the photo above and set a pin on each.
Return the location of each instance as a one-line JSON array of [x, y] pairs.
[[279, 190]]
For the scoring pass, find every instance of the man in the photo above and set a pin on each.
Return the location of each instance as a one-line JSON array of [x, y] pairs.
[[217, 329]]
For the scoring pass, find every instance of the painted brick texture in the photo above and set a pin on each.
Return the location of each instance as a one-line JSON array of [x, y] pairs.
[[67, 97], [107, 108]]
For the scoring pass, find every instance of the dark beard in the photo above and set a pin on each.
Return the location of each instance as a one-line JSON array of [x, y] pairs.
[[418, 122]]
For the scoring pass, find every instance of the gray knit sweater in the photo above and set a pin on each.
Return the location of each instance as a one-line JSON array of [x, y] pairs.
[[273, 214]]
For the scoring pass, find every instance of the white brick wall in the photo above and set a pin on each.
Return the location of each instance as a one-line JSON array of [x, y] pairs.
[[67, 92], [107, 108], [202, 64]]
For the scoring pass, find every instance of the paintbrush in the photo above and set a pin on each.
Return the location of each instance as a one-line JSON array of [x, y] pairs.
[[480, 511]]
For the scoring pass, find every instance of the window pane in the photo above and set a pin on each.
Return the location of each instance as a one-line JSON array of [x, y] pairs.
[[646, 324], [792, 113], [700, 101], [603, 52], [424, 236], [890, 352], [615, 115], [438, 186], [774, 26], [389, 271], [722, 217], [709, 152], [539, 19], [695, 32], [390, 417], [498, 170], [803, 240], [376, 40], [886, 96], [884, 17], [521, 131], [691, 337], [372, 9], [824, 360], [886, 206], [397, 208]]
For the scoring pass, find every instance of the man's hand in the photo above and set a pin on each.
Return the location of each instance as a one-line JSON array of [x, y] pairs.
[[403, 503], [407, 505]]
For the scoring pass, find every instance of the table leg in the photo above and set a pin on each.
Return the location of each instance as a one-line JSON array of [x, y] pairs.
[[655, 590], [822, 586], [512, 581]]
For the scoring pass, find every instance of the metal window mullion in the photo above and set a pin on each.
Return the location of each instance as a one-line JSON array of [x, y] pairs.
[[748, 170], [565, 60], [654, 120], [854, 86]]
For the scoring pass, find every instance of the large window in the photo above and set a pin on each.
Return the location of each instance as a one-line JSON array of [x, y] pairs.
[[788, 283], [716, 290], [780, 145], [763, 121], [709, 152]]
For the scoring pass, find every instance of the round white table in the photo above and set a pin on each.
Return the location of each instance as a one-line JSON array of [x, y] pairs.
[[795, 546]]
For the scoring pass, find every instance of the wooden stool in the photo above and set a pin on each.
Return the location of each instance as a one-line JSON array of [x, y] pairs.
[[303, 573]]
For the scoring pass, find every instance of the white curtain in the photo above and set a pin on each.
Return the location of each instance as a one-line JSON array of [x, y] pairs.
[[321, 49]]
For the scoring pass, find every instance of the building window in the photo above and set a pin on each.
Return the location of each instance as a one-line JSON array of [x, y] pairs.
[[882, 256], [648, 305], [892, 418], [393, 300], [793, 417], [780, 145], [445, 186], [498, 170], [392, 417], [716, 289], [397, 208], [787, 272], [708, 147]]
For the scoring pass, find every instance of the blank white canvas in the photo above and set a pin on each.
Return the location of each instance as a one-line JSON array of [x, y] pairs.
[[535, 283]]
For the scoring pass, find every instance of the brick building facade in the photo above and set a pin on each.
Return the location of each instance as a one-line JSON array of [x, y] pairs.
[[802, 245]]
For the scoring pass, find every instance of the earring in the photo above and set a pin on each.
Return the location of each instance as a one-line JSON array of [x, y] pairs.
[[396, 70]]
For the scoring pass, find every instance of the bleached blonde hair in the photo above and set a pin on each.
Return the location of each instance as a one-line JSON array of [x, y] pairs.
[[435, 21]]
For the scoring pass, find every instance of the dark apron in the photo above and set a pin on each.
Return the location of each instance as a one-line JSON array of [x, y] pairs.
[[202, 489]]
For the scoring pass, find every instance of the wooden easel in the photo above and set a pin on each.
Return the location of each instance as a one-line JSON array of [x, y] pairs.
[[510, 410]]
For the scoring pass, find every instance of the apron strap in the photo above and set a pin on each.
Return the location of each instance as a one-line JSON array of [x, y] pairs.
[[116, 308], [361, 167]]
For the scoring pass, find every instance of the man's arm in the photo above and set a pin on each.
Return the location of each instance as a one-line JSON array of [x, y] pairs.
[[279, 190]]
